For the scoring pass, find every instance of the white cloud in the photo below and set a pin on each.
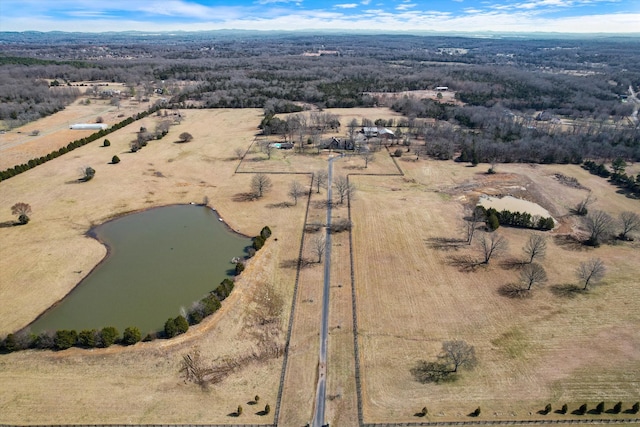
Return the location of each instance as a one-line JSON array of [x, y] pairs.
[[520, 16]]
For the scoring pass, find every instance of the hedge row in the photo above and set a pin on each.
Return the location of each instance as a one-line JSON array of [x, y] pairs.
[[18, 169], [67, 338], [516, 219]]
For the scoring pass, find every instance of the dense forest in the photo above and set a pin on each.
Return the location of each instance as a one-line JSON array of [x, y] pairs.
[[510, 92]]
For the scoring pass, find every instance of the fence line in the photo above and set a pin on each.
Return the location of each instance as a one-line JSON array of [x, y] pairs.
[[293, 309]]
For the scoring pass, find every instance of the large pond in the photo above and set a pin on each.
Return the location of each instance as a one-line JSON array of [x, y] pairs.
[[160, 261]]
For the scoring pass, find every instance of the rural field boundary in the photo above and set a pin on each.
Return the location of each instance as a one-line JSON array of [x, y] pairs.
[[508, 422], [359, 405]]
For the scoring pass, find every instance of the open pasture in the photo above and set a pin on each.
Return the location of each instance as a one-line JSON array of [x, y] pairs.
[[416, 285]]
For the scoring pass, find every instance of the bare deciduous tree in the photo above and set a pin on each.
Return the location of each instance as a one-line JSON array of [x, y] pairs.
[[472, 217], [630, 222], [260, 184], [591, 271], [23, 210], [320, 179], [599, 225], [344, 188], [533, 274], [239, 152], [296, 190], [267, 148], [492, 244], [536, 247], [458, 354], [318, 246], [367, 156], [582, 207]]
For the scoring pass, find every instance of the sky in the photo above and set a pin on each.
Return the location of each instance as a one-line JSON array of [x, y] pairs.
[[525, 16]]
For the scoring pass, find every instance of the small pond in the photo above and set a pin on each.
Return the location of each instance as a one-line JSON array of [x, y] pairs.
[[160, 261]]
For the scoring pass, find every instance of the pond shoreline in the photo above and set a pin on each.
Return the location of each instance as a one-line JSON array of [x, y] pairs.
[[91, 233]]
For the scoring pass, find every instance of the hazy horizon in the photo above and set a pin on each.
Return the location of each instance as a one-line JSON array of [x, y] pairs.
[[403, 16]]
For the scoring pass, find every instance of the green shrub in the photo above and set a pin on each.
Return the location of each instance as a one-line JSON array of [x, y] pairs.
[[267, 409], [131, 335], [564, 409], [492, 222], [398, 152], [582, 409], [547, 409], [170, 329], [239, 268], [182, 325], [239, 411], [476, 413], [424, 412], [635, 408], [258, 242], [600, 408], [106, 143], [115, 160], [265, 232], [617, 408], [23, 219], [88, 338], [108, 336], [65, 339]]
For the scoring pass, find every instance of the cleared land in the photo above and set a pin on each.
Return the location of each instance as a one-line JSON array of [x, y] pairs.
[[414, 287]]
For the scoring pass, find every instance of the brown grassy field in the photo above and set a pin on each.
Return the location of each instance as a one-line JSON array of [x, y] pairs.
[[413, 287], [421, 291], [19, 145]]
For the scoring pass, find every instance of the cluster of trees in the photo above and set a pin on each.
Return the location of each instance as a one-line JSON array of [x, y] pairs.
[[8, 173], [67, 338], [515, 219], [618, 176]]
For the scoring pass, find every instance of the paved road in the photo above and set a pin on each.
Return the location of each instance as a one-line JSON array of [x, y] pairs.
[[318, 416]]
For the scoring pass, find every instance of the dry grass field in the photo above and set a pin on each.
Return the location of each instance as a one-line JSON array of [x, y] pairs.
[[414, 286], [20, 145], [422, 290]]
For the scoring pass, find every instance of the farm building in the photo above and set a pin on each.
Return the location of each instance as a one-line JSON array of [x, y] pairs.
[[373, 131], [88, 126]]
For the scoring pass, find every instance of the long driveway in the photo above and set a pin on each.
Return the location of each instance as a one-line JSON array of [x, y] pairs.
[[318, 416]]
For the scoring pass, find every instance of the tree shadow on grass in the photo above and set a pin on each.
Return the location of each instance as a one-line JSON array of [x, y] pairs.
[[512, 263], [569, 242], [566, 290], [293, 263], [280, 205], [463, 263], [432, 372], [321, 204], [515, 291], [445, 243], [244, 197]]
